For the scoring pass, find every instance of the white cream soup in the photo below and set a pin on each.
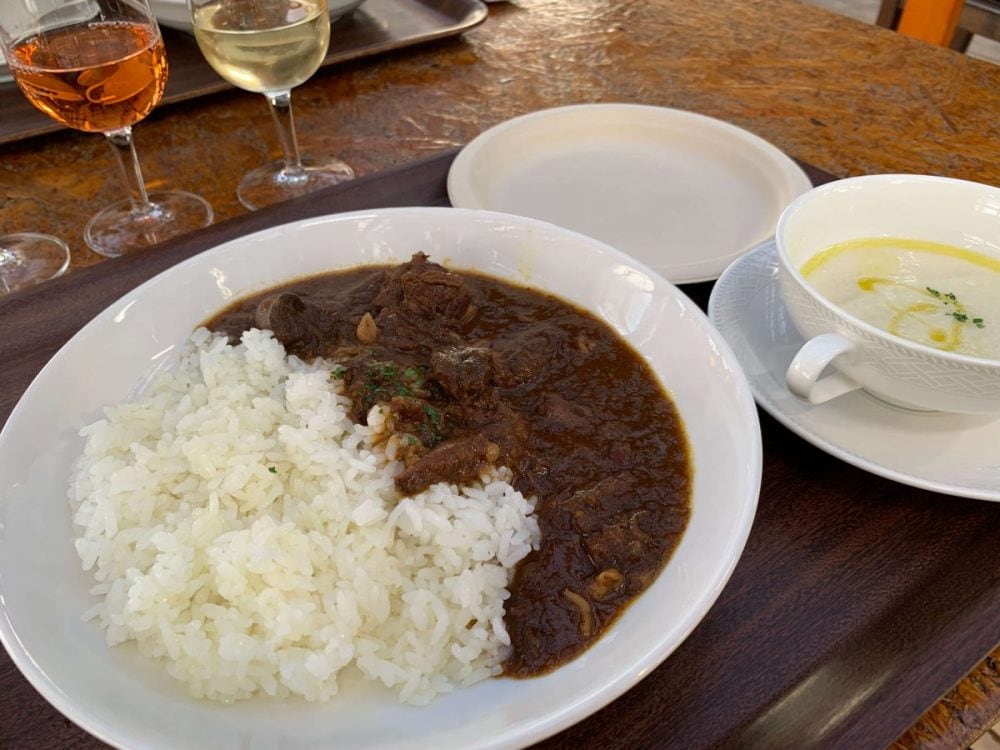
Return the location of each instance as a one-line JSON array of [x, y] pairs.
[[934, 294]]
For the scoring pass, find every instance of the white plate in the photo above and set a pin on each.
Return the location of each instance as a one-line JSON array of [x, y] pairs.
[[119, 697], [683, 193], [950, 453], [175, 14]]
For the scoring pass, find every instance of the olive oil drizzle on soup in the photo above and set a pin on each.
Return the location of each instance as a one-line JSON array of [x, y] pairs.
[[934, 294]]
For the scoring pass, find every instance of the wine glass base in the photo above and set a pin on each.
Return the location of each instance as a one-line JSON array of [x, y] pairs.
[[120, 229], [273, 183], [28, 258]]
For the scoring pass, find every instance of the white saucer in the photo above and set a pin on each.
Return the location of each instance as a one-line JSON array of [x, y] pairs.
[[174, 14], [684, 193], [950, 453]]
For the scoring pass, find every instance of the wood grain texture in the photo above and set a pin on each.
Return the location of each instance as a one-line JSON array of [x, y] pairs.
[[858, 602]]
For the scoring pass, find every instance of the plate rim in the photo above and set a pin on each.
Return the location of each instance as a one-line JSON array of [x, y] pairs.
[[166, 13], [766, 255], [566, 715], [462, 195]]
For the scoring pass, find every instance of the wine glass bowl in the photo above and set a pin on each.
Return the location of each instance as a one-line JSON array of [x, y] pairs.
[[100, 66], [264, 48], [270, 47], [97, 77]]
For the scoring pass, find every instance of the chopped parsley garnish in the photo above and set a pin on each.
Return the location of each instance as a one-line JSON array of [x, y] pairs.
[[273, 469], [385, 380], [434, 415], [413, 376], [959, 313], [338, 372], [379, 371]]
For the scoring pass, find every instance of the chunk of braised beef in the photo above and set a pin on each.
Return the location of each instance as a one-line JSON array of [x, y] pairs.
[[390, 289], [437, 293], [623, 541], [497, 437], [562, 415], [514, 364], [459, 460], [505, 427], [606, 546], [525, 357], [429, 292], [404, 332], [465, 374], [589, 509], [305, 329], [614, 527]]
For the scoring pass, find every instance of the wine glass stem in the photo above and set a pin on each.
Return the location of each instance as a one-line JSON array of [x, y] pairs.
[[281, 111], [124, 151]]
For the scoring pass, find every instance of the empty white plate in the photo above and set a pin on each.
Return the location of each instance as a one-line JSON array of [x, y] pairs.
[[684, 193]]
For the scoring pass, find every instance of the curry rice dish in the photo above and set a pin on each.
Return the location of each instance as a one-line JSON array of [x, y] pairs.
[[460, 378]]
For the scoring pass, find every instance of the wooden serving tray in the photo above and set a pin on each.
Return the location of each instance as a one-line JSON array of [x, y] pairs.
[[377, 26], [857, 603]]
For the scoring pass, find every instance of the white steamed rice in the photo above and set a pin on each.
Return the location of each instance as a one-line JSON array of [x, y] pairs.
[[247, 535]]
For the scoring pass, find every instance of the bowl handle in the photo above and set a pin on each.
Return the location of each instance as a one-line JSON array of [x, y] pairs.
[[803, 373]]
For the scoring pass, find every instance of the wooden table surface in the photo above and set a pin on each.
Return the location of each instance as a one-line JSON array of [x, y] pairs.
[[846, 97]]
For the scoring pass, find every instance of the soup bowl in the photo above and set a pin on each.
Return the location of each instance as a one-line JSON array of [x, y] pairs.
[[843, 353]]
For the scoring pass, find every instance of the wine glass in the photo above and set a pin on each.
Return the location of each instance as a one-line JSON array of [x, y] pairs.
[[269, 47], [28, 258], [100, 66]]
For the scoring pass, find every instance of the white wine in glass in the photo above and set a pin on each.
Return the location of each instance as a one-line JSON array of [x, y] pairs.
[[100, 66], [270, 47]]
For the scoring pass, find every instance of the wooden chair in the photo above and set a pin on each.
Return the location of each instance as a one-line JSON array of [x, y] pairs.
[[945, 22]]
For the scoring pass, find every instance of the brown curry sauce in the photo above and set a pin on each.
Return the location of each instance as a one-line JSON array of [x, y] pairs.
[[477, 371]]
